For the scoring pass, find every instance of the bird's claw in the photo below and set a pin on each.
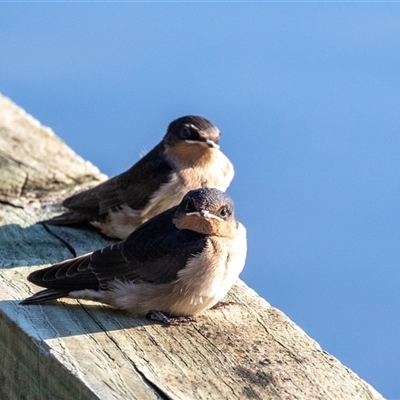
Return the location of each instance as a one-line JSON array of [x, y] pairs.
[[222, 304]]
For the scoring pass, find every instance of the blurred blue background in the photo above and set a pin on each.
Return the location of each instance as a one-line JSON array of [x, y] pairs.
[[307, 96]]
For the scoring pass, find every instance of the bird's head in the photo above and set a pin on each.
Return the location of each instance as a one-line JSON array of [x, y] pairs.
[[193, 130], [207, 210]]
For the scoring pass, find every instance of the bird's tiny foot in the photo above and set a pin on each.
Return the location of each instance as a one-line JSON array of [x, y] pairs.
[[222, 304], [159, 316]]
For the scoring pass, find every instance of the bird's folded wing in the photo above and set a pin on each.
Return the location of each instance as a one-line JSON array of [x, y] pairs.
[[155, 252], [68, 275], [133, 187]]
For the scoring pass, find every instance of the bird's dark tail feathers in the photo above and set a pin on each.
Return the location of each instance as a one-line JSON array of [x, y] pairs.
[[44, 295], [69, 218]]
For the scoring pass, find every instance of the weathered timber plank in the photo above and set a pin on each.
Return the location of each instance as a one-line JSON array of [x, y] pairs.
[[23, 242], [246, 350], [67, 336], [80, 350], [33, 158]]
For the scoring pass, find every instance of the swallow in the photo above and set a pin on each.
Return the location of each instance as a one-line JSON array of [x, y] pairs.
[[188, 157], [177, 264]]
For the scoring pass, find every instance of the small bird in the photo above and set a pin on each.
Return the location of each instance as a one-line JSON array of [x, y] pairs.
[[177, 264], [188, 157]]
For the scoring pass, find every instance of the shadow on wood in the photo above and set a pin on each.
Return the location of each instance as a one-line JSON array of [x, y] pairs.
[[79, 350]]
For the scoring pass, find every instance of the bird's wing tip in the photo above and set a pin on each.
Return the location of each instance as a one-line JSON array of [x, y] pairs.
[[43, 296]]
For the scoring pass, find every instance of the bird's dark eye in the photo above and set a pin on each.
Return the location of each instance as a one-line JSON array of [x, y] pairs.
[[185, 132], [223, 212], [189, 206]]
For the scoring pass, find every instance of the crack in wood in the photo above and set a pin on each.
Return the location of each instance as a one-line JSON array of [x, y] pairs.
[[8, 203], [62, 240], [24, 184], [156, 389]]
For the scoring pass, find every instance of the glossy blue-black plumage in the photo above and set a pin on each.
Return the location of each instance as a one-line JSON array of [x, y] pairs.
[[136, 186], [155, 252]]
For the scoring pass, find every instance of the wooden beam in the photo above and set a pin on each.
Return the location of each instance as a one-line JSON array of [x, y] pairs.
[[80, 350]]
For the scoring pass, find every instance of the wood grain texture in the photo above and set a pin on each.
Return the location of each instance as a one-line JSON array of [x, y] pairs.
[[80, 350]]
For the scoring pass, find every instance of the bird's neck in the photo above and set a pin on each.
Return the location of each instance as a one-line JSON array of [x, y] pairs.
[[207, 226], [192, 154]]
